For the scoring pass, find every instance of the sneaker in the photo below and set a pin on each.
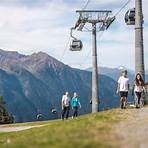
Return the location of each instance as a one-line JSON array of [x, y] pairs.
[[72, 117], [124, 107]]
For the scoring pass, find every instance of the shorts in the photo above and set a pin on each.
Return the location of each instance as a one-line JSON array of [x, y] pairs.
[[123, 94]]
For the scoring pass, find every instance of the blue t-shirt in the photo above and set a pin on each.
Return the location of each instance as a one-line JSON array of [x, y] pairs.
[[75, 102]]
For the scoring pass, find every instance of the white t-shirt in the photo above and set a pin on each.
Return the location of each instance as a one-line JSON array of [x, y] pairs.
[[138, 88], [65, 100], [123, 83]]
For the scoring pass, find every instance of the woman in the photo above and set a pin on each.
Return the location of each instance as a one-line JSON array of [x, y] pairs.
[[75, 104], [139, 88]]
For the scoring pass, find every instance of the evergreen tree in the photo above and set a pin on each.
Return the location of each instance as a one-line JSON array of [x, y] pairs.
[[5, 117]]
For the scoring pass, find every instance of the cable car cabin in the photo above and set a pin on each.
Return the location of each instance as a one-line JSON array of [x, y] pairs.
[[130, 17], [76, 45], [53, 110]]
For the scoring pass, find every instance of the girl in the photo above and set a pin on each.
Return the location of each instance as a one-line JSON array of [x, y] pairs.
[[139, 88]]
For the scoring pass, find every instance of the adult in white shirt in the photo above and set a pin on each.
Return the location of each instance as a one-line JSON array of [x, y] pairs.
[[123, 89], [65, 105], [139, 88]]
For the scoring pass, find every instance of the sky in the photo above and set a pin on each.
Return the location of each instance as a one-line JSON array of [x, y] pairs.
[[29, 26]]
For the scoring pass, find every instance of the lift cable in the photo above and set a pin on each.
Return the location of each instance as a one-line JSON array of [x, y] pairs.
[[67, 44], [123, 7], [85, 6], [66, 47], [103, 31], [88, 1]]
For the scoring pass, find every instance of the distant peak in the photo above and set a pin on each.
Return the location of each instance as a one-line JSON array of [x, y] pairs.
[[42, 54], [11, 54]]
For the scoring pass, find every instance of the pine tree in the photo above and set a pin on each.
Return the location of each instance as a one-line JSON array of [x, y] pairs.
[[5, 117]]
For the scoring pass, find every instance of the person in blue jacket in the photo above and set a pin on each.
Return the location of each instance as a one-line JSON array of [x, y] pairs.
[[75, 104]]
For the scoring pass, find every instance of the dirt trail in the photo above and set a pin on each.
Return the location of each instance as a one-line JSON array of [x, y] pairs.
[[5, 128], [133, 129]]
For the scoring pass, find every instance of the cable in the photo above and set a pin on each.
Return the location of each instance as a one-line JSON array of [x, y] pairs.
[[65, 48], [85, 6], [86, 57], [122, 7], [61, 58]]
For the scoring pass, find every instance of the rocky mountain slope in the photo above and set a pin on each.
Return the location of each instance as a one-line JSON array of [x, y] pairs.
[[34, 84]]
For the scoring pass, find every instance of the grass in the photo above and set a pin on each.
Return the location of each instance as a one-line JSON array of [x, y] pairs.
[[89, 131]]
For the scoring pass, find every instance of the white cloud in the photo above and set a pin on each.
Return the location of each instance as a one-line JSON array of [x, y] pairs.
[[45, 25]]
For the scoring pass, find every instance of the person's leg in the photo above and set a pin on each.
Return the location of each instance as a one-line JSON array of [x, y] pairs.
[[67, 112], [76, 113], [63, 112], [139, 97], [125, 99], [121, 102], [136, 99], [121, 99], [124, 102]]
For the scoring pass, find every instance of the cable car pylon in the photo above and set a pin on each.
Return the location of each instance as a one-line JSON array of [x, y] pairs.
[[134, 17], [104, 19]]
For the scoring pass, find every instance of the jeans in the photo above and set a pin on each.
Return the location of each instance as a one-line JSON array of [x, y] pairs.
[[65, 111], [138, 98], [75, 111]]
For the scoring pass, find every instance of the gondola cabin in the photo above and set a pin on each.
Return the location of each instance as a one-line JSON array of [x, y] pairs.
[[76, 45], [53, 110], [130, 17]]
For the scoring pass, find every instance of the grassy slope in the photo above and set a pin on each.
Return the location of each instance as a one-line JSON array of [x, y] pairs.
[[89, 131]]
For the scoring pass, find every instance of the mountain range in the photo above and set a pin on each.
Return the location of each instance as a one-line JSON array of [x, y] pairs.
[[34, 84], [115, 73]]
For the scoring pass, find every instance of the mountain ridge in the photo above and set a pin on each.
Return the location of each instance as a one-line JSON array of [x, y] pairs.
[[35, 83]]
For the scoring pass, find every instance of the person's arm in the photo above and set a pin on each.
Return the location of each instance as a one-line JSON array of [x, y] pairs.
[[72, 103], [144, 90], [128, 86], [79, 104], [62, 102], [118, 86], [133, 89]]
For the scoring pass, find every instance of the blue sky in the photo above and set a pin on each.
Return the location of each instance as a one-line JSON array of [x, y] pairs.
[[30, 26]]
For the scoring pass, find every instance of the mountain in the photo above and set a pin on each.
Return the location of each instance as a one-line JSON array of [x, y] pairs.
[[115, 73], [35, 83]]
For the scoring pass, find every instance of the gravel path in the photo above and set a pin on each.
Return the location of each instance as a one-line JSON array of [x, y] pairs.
[[133, 129], [5, 128]]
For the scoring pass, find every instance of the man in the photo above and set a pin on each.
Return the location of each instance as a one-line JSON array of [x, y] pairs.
[[123, 88], [65, 105]]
